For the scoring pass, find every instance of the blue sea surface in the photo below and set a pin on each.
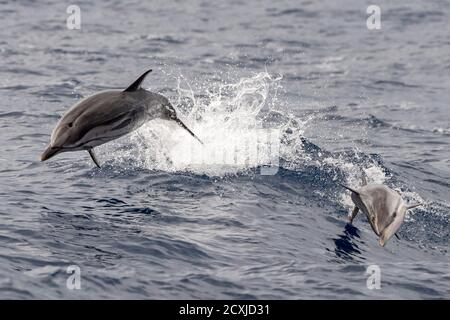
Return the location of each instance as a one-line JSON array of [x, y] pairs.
[[167, 218]]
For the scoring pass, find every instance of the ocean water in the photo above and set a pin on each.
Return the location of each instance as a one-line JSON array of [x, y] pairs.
[[304, 85]]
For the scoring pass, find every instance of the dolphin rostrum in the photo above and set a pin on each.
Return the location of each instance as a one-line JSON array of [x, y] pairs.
[[106, 116], [384, 208]]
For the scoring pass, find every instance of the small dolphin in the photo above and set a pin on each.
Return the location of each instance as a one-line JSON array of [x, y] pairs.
[[384, 208], [106, 116]]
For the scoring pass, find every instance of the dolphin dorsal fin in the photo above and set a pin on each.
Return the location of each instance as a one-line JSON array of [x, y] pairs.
[[348, 188], [137, 84]]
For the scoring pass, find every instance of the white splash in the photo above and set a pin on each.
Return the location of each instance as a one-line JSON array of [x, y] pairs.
[[234, 121]]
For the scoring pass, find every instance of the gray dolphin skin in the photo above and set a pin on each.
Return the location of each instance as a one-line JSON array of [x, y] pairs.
[[384, 208], [106, 116]]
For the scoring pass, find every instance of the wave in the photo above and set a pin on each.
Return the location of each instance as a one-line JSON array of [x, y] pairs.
[[249, 133]]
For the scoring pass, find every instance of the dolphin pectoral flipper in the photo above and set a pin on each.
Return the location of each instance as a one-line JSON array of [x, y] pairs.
[[137, 84], [354, 213], [93, 157]]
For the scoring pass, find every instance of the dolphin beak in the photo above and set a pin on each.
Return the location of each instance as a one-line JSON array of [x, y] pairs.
[[413, 205], [49, 152], [188, 130]]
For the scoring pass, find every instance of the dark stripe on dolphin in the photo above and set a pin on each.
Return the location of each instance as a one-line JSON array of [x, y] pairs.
[[123, 124], [187, 129], [125, 116]]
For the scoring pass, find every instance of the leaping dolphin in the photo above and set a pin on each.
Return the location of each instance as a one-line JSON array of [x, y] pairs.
[[106, 116], [384, 208]]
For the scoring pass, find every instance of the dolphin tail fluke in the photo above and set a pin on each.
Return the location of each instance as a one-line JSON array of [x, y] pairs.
[[93, 157], [348, 188], [181, 124]]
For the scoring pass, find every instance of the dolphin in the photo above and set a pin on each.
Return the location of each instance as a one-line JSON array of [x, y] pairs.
[[108, 115], [383, 207]]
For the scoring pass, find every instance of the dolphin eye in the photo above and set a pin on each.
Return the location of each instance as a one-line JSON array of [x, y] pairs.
[[70, 124]]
